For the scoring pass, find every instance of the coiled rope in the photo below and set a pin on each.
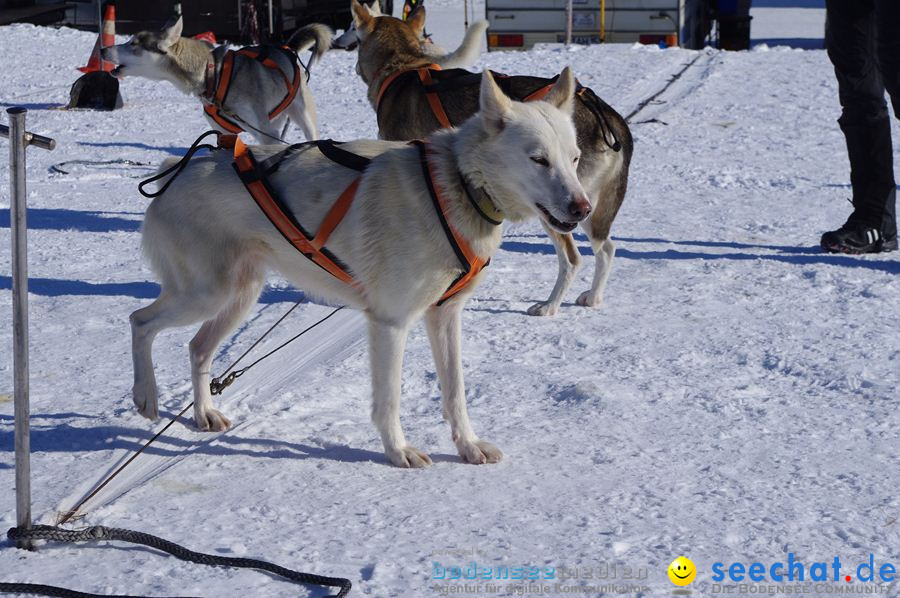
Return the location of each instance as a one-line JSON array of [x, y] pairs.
[[105, 534]]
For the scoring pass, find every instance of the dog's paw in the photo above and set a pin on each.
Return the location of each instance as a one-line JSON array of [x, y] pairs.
[[145, 399], [212, 421], [543, 308], [409, 456], [589, 299], [479, 452]]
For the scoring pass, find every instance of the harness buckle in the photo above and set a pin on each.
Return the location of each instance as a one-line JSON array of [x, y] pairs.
[[226, 141], [216, 387]]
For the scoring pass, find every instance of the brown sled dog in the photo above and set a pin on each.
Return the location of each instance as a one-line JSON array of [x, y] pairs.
[[413, 96]]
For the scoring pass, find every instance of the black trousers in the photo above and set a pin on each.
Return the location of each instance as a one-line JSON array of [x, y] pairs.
[[863, 42]]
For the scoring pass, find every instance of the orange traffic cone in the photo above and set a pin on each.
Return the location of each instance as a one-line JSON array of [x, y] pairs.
[[106, 39], [208, 37]]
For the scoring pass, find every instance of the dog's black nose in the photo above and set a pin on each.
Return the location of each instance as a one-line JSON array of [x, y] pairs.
[[580, 208]]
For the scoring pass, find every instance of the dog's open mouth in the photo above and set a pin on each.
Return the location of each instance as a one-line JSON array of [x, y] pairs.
[[565, 227]]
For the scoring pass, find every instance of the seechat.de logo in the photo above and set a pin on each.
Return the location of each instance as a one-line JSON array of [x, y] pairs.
[[682, 571], [793, 570]]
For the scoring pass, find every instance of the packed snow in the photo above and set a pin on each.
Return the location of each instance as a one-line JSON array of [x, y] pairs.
[[733, 399]]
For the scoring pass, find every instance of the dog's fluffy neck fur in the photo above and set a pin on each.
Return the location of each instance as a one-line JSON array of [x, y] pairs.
[[189, 58], [462, 151]]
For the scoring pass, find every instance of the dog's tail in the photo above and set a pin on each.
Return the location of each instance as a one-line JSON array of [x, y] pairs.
[[315, 36], [468, 51]]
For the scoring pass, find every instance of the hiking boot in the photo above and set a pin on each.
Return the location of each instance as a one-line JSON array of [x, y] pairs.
[[857, 239]]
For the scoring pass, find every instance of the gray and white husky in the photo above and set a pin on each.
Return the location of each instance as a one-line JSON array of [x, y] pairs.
[[210, 246], [389, 45], [193, 65]]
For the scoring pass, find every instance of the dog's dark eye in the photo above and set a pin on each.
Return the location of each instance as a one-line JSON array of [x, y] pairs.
[[540, 160]]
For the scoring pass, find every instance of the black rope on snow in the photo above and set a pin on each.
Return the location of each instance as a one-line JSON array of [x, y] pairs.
[[100, 533], [59, 168]]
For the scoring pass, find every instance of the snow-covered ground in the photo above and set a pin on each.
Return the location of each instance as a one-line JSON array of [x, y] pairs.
[[734, 399], [794, 23]]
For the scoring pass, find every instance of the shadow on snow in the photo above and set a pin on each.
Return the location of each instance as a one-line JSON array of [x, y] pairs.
[[785, 254]]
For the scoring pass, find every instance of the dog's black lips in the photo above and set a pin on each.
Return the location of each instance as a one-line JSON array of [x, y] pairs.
[[563, 226]]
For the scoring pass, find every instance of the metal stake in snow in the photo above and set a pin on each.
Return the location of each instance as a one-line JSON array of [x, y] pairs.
[[19, 138], [569, 23]]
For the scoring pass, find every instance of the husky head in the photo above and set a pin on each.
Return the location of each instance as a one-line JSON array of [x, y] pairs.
[[159, 54], [528, 156], [385, 41]]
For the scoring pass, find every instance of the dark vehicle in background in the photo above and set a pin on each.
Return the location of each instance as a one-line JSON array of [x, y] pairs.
[[238, 20], [246, 21]]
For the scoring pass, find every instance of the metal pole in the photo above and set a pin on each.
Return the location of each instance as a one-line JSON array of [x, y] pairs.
[[19, 138], [271, 24], [569, 23], [602, 21], [20, 319]]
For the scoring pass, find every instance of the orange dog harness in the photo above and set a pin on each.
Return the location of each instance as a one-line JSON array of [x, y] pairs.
[[434, 80], [217, 86], [255, 175]]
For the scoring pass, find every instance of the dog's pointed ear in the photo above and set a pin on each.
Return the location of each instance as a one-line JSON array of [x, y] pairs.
[[494, 104], [416, 21], [171, 33], [562, 94], [374, 9], [362, 18]]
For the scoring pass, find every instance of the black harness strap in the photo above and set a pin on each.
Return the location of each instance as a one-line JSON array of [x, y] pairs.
[[330, 150]]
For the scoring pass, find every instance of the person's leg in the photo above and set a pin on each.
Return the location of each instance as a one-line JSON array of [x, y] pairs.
[[851, 42], [887, 17]]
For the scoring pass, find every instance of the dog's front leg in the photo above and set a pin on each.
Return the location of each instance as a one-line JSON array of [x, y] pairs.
[[386, 344], [444, 333], [569, 260]]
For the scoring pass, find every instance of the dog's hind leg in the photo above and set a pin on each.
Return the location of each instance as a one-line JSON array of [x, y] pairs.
[[604, 251], [203, 346], [444, 332], [302, 112], [386, 343], [569, 260], [168, 311]]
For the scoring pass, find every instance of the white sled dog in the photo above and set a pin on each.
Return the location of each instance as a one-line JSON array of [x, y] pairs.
[[211, 246], [252, 94]]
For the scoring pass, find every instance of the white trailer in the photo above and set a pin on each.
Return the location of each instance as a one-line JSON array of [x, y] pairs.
[[519, 24]]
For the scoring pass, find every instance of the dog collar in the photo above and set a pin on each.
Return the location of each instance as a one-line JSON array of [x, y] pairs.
[[482, 202]]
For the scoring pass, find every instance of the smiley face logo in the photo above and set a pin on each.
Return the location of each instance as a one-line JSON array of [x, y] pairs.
[[682, 571]]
